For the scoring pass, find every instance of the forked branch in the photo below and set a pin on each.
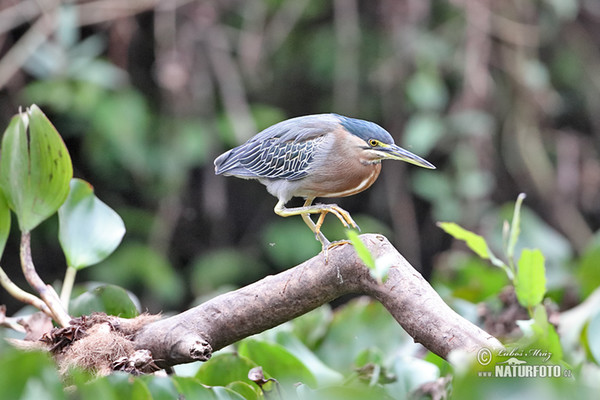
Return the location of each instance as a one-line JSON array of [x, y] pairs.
[[193, 335]]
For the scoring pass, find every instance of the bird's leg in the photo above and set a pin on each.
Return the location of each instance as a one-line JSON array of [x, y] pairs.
[[304, 212], [322, 209], [340, 213], [308, 221]]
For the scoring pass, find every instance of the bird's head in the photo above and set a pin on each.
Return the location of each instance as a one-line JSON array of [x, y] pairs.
[[379, 144]]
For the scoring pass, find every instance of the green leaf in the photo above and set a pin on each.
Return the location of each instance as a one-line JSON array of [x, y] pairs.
[[312, 327], [411, 372], [223, 369], [593, 338], [160, 387], [515, 227], [111, 299], [539, 334], [360, 324], [545, 334], [378, 269], [4, 222], [191, 388], [474, 241], [247, 391], [223, 393], [530, 283], [89, 230], [587, 272], [118, 385], [363, 253], [35, 168], [29, 375], [354, 391], [277, 361], [324, 374]]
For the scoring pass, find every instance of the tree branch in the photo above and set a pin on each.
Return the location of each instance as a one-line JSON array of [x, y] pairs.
[[194, 334]]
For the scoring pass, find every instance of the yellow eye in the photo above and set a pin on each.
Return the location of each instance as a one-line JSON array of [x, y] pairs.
[[373, 142]]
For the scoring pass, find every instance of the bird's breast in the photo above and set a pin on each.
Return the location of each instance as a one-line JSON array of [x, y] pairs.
[[352, 181], [341, 180]]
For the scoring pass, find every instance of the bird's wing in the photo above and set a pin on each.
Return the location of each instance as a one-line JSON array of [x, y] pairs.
[[284, 160], [284, 150]]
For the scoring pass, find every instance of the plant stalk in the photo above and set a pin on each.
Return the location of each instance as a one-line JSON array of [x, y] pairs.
[[46, 292], [67, 287], [22, 295]]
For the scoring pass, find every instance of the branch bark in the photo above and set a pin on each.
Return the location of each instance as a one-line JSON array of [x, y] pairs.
[[194, 334]]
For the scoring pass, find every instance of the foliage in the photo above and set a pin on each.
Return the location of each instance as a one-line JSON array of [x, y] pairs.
[[35, 171], [89, 230], [527, 276], [35, 168]]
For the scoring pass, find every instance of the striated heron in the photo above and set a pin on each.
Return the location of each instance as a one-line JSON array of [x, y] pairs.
[[323, 155]]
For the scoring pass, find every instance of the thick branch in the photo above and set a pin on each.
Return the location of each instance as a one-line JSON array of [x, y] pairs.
[[194, 334]]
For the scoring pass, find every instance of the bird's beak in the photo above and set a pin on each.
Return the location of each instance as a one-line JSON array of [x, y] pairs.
[[394, 152]]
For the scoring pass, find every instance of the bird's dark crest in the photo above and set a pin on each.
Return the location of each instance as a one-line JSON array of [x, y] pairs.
[[365, 129]]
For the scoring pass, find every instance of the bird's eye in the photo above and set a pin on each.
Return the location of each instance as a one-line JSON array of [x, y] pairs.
[[373, 142]]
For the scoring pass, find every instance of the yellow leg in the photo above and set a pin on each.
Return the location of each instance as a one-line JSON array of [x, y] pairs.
[[308, 221], [322, 209]]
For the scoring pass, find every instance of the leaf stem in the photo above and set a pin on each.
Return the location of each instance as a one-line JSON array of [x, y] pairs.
[[67, 287], [22, 295], [47, 292], [515, 230]]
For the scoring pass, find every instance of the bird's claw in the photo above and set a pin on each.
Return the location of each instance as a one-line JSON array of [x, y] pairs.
[[340, 213]]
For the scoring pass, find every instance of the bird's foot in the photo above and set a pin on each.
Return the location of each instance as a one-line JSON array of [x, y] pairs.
[[340, 213]]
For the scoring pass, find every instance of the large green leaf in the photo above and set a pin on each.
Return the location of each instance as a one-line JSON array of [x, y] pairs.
[[29, 375], [35, 168], [225, 368], [89, 230], [116, 386], [360, 324], [4, 222], [410, 373], [111, 299], [324, 374], [593, 339], [277, 361], [191, 388]]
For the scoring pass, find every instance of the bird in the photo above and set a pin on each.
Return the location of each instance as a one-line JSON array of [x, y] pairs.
[[314, 156]]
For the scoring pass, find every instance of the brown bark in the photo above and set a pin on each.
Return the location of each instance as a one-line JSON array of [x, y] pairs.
[[194, 334]]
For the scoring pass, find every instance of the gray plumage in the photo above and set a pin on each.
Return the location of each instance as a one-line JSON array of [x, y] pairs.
[[282, 151], [286, 150]]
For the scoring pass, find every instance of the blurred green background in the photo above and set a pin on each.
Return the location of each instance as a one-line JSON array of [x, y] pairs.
[[499, 95]]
